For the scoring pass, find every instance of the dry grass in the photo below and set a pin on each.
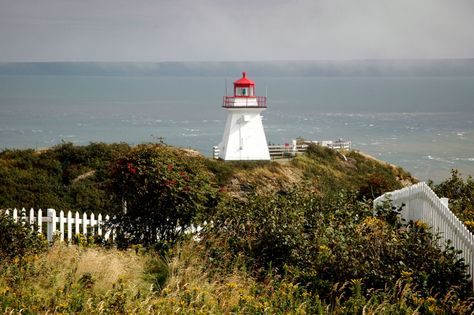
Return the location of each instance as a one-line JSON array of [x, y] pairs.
[[189, 281], [119, 283], [268, 178], [110, 266], [64, 264]]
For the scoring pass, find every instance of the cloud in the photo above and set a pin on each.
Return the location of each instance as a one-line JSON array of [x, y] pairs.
[[161, 30]]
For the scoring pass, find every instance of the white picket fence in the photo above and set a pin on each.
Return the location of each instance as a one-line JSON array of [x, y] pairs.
[[422, 204], [62, 225]]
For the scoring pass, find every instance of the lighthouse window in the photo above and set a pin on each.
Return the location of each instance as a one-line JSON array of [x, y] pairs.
[[244, 91]]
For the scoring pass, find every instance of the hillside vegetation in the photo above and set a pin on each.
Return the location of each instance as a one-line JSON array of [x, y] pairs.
[[78, 177], [294, 237]]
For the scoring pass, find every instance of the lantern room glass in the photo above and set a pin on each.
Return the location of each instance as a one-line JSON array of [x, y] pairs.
[[246, 91]]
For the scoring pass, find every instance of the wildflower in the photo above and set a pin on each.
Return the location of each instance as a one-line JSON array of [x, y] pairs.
[[421, 225], [170, 167], [131, 168], [469, 224], [324, 248], [231, 285], [418, 300], [171, 182], [432, 304], [406, 274], [4, 290], [373, 222]]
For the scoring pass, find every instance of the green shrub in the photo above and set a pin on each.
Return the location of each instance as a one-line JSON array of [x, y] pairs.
[[461, 196], [321, 153], [63, 177], [320, 242], [18, 240], [165, 192], [222, 170], [156, 272]]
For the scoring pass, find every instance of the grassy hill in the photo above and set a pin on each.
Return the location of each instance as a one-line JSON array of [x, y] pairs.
[[292, 237], [325, 170], [76, 177]]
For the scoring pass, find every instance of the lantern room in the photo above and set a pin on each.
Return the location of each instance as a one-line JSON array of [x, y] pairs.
[[244, 95], [244, 87]]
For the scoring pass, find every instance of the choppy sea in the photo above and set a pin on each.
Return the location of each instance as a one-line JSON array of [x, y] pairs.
[[424, 124]]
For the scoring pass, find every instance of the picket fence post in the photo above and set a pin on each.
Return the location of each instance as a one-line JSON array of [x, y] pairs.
[[51, 220], [69, 226], [39, 221], [61, 225], [15, 215], [84, 224], [76, 223], [92, 223], [31, 219], [99, 224]]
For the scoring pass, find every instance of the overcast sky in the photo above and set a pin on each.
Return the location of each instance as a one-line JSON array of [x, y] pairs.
[[208, 30]]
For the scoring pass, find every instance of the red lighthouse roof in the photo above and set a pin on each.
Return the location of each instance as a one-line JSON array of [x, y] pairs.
[[244, 81]]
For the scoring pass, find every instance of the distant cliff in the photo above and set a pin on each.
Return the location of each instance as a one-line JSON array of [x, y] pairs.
[[327, 68]]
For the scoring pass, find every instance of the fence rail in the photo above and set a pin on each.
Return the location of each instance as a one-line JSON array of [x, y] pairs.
[[61, 224], [281, 151], [339, 144], [286, 150], [421, 203]]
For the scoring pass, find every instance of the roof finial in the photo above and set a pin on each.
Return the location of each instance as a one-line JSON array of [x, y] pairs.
[[244, 74]]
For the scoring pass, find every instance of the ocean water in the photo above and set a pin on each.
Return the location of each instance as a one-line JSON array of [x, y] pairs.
[[424, 124]]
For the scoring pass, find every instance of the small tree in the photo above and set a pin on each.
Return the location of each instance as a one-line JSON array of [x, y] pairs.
[[165, 191]]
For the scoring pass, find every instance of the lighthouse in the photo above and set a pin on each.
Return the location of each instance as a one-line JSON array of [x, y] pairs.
[[244, 137]]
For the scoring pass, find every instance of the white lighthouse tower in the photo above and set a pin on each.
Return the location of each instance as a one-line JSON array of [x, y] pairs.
[[244, 137]]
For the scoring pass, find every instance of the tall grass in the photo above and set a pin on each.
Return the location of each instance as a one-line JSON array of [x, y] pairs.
[[68, 280], [65, 277]]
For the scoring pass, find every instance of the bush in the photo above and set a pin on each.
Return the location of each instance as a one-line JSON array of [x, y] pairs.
[[18, 240], [223, 171], [320, 242], [461, 196], [377, 184], [63, 177], [321, 153], [165, 191]]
